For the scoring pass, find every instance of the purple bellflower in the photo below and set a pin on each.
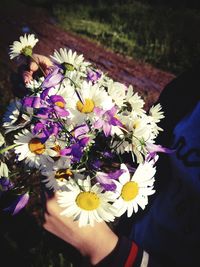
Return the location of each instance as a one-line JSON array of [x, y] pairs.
[[75, 151], [79, 142], [6, 184], [45, 129], [154, 149], [106, 179], [53, 78], [106, 120], [81, 130], [57, 102], [32, 101], [93, 76], [18, 204]]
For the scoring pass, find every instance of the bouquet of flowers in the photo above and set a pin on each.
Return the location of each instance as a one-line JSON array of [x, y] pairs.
[[88, 136]]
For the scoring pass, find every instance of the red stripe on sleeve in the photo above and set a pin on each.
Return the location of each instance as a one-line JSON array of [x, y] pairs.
[[132, 255]]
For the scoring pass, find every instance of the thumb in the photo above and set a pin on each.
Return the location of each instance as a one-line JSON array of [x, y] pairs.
[[41, 60], [33, 66]]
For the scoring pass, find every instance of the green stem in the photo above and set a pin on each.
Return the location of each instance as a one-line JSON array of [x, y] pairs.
[[38, 65], [8, 148]]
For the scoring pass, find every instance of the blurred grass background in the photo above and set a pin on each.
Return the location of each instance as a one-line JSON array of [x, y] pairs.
[[163, 33]]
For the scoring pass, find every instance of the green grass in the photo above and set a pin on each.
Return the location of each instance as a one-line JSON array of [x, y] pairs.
[[167, 38]]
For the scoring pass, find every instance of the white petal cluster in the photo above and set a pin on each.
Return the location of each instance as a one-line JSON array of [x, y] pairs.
[[133, 191], [86, 203], [26, 41], [14, 118]]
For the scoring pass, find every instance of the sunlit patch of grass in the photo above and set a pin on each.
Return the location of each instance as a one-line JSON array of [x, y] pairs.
[[167, 38]]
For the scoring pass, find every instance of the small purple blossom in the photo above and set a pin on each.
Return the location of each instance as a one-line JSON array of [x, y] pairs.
[[81, 130], [45, 129], [53, 78], [75, 151], [18, 204], [106, 179], [32, 101], [44, 113], [154, 149], [6, 184], [52, 108], [58, 104], [106, 120], [93, 76]]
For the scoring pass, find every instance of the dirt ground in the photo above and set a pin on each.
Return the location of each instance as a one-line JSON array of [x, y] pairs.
[[146, 79]]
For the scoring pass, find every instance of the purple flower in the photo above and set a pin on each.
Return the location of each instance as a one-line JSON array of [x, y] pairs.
[[6, 184], [106, 120], [45, 93], [58, 104], [53, 78], [96, 164], [53, 107], [75, 151], [93, 76], [106, 179], [45, 129], [154, 149], [44, 113], [81, 130], [18, 204], [32, 101]]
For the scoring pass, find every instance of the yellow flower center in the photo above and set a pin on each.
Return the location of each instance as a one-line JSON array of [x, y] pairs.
[[36, 146], [57, 148], [129, 191], [87, 107], [87, 201], [63, 174], [60, 104], [136, 124], [27, 51]]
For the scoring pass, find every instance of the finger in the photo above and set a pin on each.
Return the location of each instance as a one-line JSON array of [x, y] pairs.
[[27, 76], [33, 66], [41, 60]]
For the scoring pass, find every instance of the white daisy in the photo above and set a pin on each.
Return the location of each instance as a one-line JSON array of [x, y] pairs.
[[33, 151], [57, 173], [86, 203], [133, 101], [71, 61], [155, 116], [156, 113], [137, 131], [14, 118], [134, 191], [118, 92], [35, 85], [2, 140], [91, 96], [23, 47]]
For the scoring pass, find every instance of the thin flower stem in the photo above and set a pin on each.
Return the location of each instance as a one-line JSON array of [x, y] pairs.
[[38, 65], [8, 148], [77, 93]]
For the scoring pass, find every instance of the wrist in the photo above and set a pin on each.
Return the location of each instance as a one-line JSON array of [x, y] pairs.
[[100, 243]]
